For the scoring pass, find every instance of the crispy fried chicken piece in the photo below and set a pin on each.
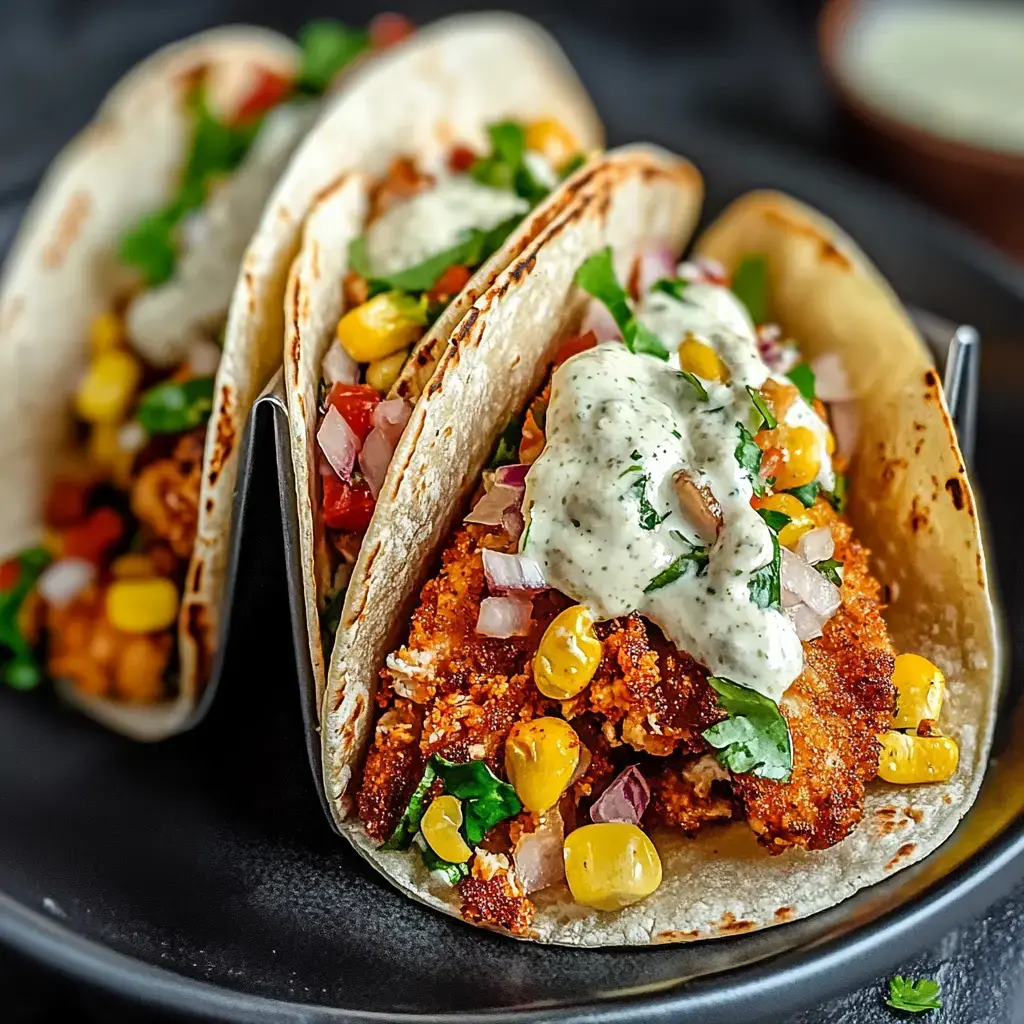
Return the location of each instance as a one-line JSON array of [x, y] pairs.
[[835, 710], [493, 895], [403, 180], [691, 793], [165, 495]]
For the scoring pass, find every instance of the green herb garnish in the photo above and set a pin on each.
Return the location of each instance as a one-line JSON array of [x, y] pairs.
[[839, 494], [671, 286], [486, 800], [768, 420], [748, 455], [571, 166], [506, 166], [755, 737], [409, 824], [327, 46], [507, 452], [913, 996], [830, 570], [750, 286], [695, 383], [696, 558], [802, 377], [807, 493], [453, 873], [766, 583], [649, 516], [776, 520], [176, 406], [20, 670], [597, 277], [330, 619]]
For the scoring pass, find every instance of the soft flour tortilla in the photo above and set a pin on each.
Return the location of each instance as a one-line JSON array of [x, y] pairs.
[[912, 503], [63, 271], [447, 85]]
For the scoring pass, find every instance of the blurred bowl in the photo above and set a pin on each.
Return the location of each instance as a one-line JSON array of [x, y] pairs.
[[983, 187]]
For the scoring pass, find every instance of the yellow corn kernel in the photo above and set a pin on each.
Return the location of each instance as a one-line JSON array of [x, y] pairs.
[[830, 442], [801, 519], [441, 824], [920, 688], [108, 388], [106, 333], [142, 606], [611, 865], [701, 360], [800, 448], [540, 758], [108, 455], [133, 566], [53, 542], [568, 654], [382, 374], [909, 759], [552, 140], [380, 327]]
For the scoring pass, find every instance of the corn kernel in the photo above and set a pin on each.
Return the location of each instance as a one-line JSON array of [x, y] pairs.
[[552, 140], [382, 374], [610, 865], [799, 446], [801, 518], [540, 758], [909, 759], [133, 566], [108, 388], [106, 333], [142, 606], [568, 654], [920, 688], [379, 328], [701, 360], [441, 824]]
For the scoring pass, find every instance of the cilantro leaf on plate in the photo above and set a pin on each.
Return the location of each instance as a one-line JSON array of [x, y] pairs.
[[913, 996]]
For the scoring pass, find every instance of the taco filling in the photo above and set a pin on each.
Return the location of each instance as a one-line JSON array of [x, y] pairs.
[[656, 616], [429, 229], [99, 600]]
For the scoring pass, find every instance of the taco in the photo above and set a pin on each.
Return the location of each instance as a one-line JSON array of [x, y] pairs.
[[113, 305], [656, 687], [393, 254]]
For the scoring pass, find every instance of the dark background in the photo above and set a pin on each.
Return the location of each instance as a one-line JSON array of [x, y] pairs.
[[744, 66]]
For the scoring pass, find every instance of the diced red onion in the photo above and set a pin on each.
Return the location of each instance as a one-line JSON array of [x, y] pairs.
[[816, 545], [513, 522], [132, 437], [339, 443], [779, 358], [203, 357], [490, 509], [625, 799], [655, 263], [513, 476], [338, 366], [831, 384], [538, 855], [601, 322], [703, 270], [845, 420], [62, 581], [390, 418], [505, 616], [806, 583], [513, 572], [374, 459], [326, 469], [808, 624]]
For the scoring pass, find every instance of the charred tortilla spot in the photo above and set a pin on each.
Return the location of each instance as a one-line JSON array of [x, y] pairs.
[[789, 224], [730, 925], [931, 381], [467, 324], [224, 438], [199, 627], [904, 851], [446, 366], [786, 913], [196, 583], [919, 516], [209, 506], [250, 291], [915, 814], [956, 492], [69, 226], [830, 254], [674, 935]]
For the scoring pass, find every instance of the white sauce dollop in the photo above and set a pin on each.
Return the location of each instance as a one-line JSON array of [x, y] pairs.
[[584, 511], [438, 219]]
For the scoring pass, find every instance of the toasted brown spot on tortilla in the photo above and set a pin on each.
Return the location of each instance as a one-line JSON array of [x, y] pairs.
[[914, 813], [829, 253], [673, 935], [800, 227], [69, 227], [919, 516], [196, 583], [200, 629], [956, 492], [947, 799], [437, 382], [930, 379], [785, 913], [224, 441], [365, 591], [728, 923], [890, 468], [918, 445], [886, 812], [209, 505], [904, 851], [250, 291]]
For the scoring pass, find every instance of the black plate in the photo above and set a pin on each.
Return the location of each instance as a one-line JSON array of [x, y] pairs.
[[200, 874]]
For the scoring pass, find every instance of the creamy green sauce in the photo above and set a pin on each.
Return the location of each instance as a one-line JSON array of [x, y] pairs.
[[610, 411], [436, 220]]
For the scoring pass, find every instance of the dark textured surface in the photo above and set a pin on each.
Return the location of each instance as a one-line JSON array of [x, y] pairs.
[[211, 857]]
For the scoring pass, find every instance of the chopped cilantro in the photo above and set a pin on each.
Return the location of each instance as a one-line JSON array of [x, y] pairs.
[[750, 286], [634, 454], [330, 619], [486, 800], [768, 420], [913, 996], [526, 537], [830, 570], [630, 469], [571, 166], [150, 246], [694, 383], [409, 824], [838, 496], [807, 493], [755, 737], [20, 670], [776, 520], [748, 455], [453, 873], [802, 377], [597, 277], [765, 583], [697, 557], [507, 452], [506, 167], [175, 406], [649, 517], [327, 46], [671, 286]]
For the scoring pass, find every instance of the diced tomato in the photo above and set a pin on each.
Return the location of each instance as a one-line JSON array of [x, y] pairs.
[[451, 282], [269, 90], [347, 507], [460, 159], [9, 573], [389, 28], [356, 403], [67, 502], [772, 463], [92, 539], [573, 346]]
